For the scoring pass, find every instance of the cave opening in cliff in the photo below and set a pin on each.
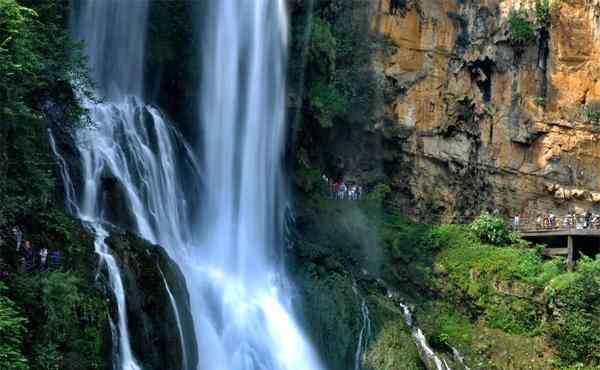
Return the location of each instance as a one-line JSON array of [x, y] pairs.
[[481, 73]]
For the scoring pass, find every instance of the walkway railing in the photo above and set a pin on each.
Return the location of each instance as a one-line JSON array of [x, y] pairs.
[[559, 223]]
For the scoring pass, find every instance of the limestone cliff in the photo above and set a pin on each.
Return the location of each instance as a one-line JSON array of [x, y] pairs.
[[479, 121]]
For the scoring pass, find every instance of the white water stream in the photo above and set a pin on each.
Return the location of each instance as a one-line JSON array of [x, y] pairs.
[[365, 330]]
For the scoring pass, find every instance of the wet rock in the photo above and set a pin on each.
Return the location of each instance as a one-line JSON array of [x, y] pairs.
[[155, 337]]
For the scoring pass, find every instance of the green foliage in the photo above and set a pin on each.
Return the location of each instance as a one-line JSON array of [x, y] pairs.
[[323, 96], [326, 102], [12, 331], [539, 100], [38, 64], [491, 229], [308, 179], [591, 112], [67, 315], [512, 315], [379, 193], [446, 327], [542, 12], [36, 57], [394, 349], [576, 332], [331, 52], [505, 283], [322, 49], [67, 320], [463, 109], [520, 28]]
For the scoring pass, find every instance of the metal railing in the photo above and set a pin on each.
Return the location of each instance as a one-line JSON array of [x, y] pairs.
[[556, 223]]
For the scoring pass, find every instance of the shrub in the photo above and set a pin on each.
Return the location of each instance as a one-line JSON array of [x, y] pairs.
[[591, 112], [542, 12], [491, 229], [12, 330], [326, 102], [539, 100], [575, 332], [520, 28], [463, 108], [379, 193]]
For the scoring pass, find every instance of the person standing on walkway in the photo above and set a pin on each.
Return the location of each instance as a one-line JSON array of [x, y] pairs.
[[44, 259], [516, 222], [588, 219], [18, 234]]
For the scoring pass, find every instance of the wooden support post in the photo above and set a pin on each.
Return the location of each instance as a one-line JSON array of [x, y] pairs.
[[570, 253]]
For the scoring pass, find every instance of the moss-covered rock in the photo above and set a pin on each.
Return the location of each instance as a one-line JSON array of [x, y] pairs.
[[394, 349]]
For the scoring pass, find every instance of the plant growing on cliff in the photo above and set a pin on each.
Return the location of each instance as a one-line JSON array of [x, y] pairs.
[[591, 112], [37, 59], [463, 108], [38, 63], [576, 295], [542, 12], [12, 330], [520, 28], [491, 229], [326, 102]]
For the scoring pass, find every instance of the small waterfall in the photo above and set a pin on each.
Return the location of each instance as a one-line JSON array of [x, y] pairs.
[[130, 151], [178, 320], [427, 353], [421, 341], [123, 357], [459, 358], [126, 359], [69, 189], [365, 331]]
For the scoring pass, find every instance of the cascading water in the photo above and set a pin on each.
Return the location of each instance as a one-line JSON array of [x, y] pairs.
[[129, 142], [238, 295], [240, 305], [365, 331], [185, 361]]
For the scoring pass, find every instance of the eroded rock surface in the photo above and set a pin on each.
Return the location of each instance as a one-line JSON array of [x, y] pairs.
[[483, 123]]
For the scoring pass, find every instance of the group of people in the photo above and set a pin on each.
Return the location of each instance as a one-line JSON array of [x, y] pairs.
[[341, 191], [31, 258], [572, 220]]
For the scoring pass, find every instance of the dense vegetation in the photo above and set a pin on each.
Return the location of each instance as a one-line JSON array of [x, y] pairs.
[[38, 63], [474, 287], [55, 319]]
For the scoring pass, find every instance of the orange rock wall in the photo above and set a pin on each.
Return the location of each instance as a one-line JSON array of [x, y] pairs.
[[518, 152]]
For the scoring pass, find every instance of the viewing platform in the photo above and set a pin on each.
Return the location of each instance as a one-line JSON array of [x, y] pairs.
[[566, 236]]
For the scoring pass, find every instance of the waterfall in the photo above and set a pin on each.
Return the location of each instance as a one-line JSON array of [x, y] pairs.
[[365, 331], [428, 355], [123, 355], [130, 145], [229, 248], [421, 341], [239, 295], [126, 360], [177, 319]]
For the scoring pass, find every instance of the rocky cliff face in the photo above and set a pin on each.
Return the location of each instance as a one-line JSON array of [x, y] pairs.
[[477, 120]]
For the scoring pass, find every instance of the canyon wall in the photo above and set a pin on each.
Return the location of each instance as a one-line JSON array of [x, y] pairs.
[[478, 121]]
